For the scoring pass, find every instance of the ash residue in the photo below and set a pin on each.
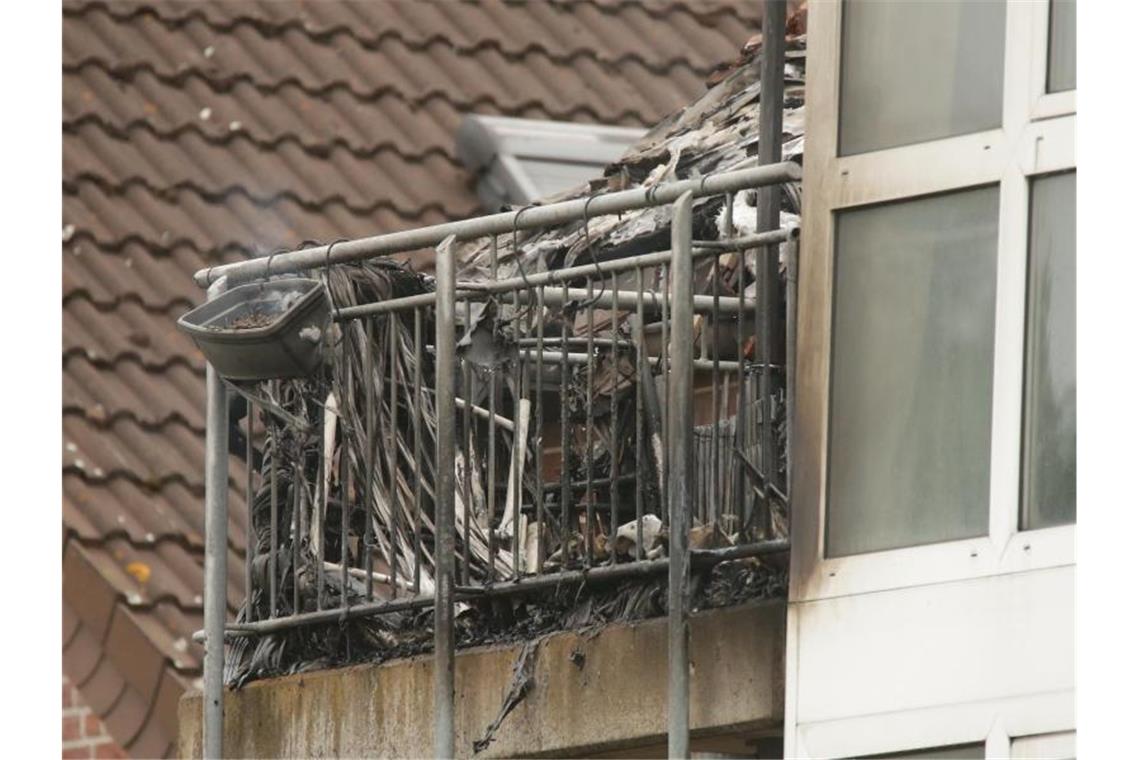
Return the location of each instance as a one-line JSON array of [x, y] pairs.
[[498, 621], [731, 583]]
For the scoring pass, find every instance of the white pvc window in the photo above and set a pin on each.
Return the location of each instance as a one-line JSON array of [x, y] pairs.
[[1049, 485], [917, 379], [912, 372], [1062, 46], [920, 589], [918, 71]]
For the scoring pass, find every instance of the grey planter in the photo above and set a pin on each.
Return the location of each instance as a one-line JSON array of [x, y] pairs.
[[263, 330]]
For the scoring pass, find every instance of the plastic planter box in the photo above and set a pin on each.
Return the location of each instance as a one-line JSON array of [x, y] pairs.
[[263, 330]]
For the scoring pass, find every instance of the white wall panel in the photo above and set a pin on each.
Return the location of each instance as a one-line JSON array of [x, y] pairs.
[[934, 645]]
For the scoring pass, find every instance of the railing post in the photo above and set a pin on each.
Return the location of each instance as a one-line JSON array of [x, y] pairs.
[[214, 596], [680, 425], [768, 312], [445, 499]]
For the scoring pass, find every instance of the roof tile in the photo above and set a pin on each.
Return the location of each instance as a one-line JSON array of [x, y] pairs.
[[82, 651]]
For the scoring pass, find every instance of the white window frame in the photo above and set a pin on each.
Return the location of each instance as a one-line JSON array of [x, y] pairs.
[[1046, 105], [1027, 145]]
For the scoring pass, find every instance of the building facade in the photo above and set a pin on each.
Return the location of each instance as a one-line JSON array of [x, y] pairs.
[[931, 607]]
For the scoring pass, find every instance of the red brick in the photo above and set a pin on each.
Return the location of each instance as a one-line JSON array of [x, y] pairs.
[[72, 730], [92, 726], [76, 752]]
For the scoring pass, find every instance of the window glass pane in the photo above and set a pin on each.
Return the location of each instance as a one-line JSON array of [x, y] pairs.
[[912, 366], [1058, 746], [1062, 45], [958, 752], [1049, 487], [917, 71]]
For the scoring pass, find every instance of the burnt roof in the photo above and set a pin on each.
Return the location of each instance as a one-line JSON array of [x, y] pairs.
[[201, 133]]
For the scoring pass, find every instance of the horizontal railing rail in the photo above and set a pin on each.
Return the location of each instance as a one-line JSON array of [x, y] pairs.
[[527, 218]]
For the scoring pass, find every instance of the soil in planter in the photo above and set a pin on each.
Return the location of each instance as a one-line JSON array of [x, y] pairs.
[[250, 320]]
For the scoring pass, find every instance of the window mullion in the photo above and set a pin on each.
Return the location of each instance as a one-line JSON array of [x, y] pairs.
[[1009, 341], [1020, 66]]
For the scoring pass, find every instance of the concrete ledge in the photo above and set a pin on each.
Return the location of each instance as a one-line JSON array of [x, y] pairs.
[[614, 699]]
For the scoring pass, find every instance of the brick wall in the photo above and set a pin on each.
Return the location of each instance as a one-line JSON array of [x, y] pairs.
[[83, 733]]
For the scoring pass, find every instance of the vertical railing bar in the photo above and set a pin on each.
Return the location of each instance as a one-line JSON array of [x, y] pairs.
[[664, 363], [445, 501], [494, 256], [274, 539], [518, 364], [393, 448], [468, 456], [639, 498], [382, 471], [590, 425], [370, 452], [492, 481], [214, 593], [706, 468], [614, 420], [698, 476], [540, 501], [702, 465], [741, 405], [564, 431], [321, 501], [769, 149], [345, 498], [680, 424], [492, 436], [714, 507], [417, 443], [527, 390], [250, 523], [346, 383], [492, 495], [298, 505]]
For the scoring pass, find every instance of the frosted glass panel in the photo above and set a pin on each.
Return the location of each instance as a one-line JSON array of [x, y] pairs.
[[1062, 45], [918, 71], [912, 366], [1049, 487]]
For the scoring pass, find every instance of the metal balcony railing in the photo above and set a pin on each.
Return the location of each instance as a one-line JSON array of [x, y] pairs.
[[499, 435]]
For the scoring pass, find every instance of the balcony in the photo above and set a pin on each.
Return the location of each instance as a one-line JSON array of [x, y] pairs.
[[556, 432]]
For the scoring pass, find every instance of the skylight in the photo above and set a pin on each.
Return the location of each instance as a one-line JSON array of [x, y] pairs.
[[521, 160]]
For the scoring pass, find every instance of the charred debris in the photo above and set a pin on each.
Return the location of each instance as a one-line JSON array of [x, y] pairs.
[[360, 448]]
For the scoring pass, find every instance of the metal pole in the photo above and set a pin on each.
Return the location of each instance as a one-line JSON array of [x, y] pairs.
[[445, 500], [681, 442], [499, 224], [217, 495], [768, 314]]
